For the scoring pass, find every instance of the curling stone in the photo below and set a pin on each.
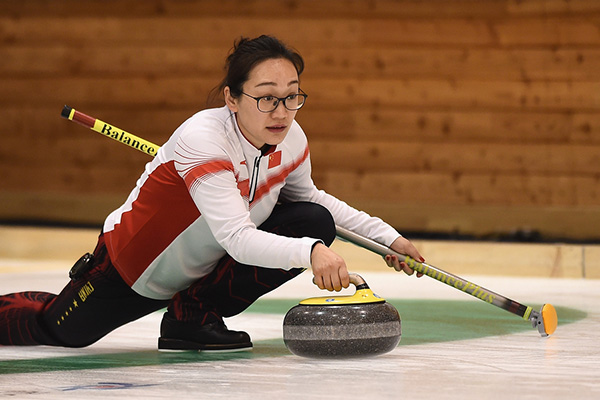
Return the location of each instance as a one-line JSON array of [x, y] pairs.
[[363, 324]]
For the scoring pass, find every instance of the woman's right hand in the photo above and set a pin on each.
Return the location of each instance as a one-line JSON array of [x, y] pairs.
[[329, 269]]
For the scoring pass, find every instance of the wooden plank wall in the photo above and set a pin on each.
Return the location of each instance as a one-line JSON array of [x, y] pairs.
[[467, 116], [34, 248]]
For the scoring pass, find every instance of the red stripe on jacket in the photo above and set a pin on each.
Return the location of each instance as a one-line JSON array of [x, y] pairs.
[[205, 170]]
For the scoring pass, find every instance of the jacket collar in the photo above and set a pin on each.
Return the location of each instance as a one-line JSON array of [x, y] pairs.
[[250, 152]]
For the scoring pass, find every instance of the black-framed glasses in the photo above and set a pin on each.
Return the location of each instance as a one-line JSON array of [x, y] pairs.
[[268, 104]]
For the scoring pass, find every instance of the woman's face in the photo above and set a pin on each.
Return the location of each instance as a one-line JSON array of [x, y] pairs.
[[273, 77]]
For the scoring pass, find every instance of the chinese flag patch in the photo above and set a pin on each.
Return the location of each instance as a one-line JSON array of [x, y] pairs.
[[275, 159]]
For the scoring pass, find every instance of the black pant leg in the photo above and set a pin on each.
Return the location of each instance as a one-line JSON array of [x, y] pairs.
[[231, 287], [85, 311], [20, 319]]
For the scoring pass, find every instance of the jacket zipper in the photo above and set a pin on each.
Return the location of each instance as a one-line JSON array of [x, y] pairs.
[[254, 180]]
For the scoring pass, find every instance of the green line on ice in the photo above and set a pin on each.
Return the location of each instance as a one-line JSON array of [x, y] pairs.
[[423, 321]]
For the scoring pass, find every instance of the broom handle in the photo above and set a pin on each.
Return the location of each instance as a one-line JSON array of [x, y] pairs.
[[439, 274]]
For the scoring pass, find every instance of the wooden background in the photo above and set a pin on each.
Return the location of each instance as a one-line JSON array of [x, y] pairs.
[[471, 117]]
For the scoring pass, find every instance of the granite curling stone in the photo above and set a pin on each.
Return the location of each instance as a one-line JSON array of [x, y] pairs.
[[342, 326]]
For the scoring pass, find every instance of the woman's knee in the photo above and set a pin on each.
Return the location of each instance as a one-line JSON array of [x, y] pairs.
[[321, 221], [301, 219]]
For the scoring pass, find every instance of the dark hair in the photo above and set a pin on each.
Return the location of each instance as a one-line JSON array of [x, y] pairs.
[[246, 54]]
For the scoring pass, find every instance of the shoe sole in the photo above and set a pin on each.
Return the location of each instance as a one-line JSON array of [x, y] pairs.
[[185, 345]]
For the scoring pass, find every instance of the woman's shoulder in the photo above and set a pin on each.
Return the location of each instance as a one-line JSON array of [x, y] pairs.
[[211, 122], [205, 131]]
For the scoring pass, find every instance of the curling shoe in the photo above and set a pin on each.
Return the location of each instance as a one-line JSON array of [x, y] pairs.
[[177, 335]]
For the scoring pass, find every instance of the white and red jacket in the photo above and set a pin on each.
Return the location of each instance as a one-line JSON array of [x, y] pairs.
[[203, 196]]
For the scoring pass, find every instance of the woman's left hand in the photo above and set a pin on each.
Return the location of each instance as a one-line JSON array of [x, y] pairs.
[[403, 246]]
